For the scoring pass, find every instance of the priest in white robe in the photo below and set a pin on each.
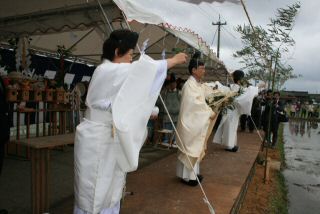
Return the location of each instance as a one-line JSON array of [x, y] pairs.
[[195, 123], [226, 133], [120, 100]]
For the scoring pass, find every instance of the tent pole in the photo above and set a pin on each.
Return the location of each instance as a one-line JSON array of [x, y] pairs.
[[84, 36], [106, 20]]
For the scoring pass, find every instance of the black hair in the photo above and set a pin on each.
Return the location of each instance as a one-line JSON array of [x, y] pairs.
[[172, 78], [180, 83], [195, 62], [237, 75], [122, 39]]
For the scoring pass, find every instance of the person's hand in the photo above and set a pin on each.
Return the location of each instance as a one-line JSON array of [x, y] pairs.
[[180, 58], [213, 116], [177, 59]]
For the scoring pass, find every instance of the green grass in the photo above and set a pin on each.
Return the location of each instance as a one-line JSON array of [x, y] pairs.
[[279, 198]]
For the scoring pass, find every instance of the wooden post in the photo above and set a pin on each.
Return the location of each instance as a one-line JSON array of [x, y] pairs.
[[50, 121], [38, 119], [40, 180], [28, 124], [61, 122], [44, 110], [54, 131], [18, 132], [28, 133], [64, 122]]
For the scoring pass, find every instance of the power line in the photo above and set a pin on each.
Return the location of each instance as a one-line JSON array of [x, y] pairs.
[[214, 36], [229, 32]]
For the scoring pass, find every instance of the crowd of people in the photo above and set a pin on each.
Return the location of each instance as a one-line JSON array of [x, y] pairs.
[[266, 114], [303, 109]]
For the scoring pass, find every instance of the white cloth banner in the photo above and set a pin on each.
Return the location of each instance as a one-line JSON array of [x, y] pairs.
[[86, 79], [186, 19], [68, 78], [49, 74]]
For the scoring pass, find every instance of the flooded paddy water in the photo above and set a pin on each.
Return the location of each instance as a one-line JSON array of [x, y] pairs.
[[302, 152]]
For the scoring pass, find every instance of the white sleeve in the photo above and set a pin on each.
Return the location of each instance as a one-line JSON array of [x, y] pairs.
[[160, 77], [222, 88], [155, 111], [101, 104], [244, 101]]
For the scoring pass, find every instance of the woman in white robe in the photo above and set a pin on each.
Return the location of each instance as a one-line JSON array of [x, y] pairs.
[[119, 102], [226, 133]]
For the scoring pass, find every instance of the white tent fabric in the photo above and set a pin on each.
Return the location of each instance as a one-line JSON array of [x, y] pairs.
[[64, 22], [184, 18]]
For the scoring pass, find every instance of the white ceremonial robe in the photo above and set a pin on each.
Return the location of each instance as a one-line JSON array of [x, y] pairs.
[[121, 98], [186, 173], [194, 126], [226, 133]]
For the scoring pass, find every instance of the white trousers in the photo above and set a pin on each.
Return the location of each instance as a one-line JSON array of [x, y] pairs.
[[112, 210], [185, 173]]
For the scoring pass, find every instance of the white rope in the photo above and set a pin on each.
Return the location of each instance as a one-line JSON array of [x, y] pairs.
[[205, 199], [258, 132], [105, 15]]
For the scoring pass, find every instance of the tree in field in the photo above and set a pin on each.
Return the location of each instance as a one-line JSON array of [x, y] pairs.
[[264, 49]]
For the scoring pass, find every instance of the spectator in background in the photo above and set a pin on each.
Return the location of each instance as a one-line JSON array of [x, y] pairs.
[[298, 108], [152, 124], [255, 117], [171, 98], [243, 122], [310, 110], [293, 110], [317, 111], [271, 128], [180, 83], [266, 96], [303, 110]]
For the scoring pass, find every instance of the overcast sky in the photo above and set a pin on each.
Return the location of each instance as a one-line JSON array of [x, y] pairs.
[[304, 57]]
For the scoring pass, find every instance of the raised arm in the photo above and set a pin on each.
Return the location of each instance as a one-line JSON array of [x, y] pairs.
[[177, 59], [163, 66]]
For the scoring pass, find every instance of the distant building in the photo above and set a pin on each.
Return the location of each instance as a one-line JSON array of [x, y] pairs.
[[315, 97], [301, 96]]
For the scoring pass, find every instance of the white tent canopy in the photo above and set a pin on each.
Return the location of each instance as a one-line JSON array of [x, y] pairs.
[[65, 22]]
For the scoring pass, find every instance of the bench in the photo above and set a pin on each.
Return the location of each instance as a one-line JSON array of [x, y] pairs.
[[40, 163]]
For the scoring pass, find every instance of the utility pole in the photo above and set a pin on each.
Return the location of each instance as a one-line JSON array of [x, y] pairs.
[[219, 23]]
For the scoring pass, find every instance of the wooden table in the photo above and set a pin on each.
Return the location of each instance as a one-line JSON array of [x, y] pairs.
[[40, 162]]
